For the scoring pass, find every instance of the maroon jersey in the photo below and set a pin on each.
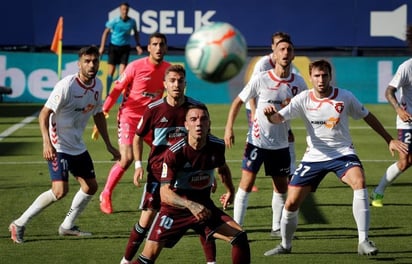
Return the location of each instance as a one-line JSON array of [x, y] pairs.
[[166, 123], [190, 172]]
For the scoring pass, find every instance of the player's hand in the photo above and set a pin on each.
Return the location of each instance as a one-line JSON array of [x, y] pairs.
[[138, 176], [269, 111], [139, 50], [49, 152], [115, 152], [229, 137], [199, 211], [399, 146], [404, 115], [226, 199]]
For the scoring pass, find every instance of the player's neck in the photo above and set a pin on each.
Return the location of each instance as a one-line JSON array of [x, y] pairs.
[[175, 101], [281, 71], [196, 143]]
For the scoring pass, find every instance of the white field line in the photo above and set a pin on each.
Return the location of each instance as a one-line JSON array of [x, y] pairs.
[[17, 126]]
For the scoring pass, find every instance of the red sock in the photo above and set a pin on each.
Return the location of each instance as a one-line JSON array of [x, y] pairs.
[[209, 248], [137, 235], [113, 178], [241, 249]]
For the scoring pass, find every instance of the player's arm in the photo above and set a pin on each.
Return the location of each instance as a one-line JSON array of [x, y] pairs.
[[252, 104], [394, 144], [101, 124], [225, 176], [171, 198], [137, 154], [136, 36], [233, 112], [272, 114], [103, 40], [400, 111], [48, 150]]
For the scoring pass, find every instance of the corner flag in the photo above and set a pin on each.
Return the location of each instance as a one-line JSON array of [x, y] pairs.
[[56, 45]]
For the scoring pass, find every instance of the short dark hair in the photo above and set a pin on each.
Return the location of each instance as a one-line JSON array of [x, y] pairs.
[[158, 35], [125, 4], [197, 106], [281, 35], [320, 64], [176, 68], [89, 50]]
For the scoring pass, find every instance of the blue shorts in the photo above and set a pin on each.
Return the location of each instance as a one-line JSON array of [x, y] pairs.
[[312, 173], [276, 162], [78, 165], [405, 135]]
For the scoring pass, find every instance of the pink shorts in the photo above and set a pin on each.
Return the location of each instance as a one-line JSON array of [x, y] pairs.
[[126, 129]]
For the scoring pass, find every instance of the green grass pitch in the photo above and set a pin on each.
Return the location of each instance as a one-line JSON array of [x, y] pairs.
[[326, 231]]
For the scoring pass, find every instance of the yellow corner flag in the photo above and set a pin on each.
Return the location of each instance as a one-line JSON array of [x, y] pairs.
[[56, 45]]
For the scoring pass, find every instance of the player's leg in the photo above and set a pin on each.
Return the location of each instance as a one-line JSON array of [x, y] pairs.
[[138, 234], [59, 177], [394, 170], [252, 160], [353, 175], [126, 131], [232, 232], [280, 171], [81, 166], [308, 176]]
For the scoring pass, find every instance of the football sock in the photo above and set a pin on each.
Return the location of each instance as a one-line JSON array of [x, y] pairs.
[[360, 209], [79, 203], [137, 235], [288, 226], [278, 202], [209, 248], [115, 174], [240, 248], [42, 201], [392, 172], [240, 206]]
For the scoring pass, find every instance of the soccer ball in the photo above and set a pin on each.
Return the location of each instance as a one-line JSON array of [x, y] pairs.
[[216, 52]]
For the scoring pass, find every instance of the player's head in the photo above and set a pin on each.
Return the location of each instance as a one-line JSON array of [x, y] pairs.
[[323, 65], [124, 9], [197, 122], [157, 47], [88, 61], [280, 35], [175, 82]]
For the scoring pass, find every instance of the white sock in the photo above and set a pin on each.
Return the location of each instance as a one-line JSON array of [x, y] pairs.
[[292, 154], [360, 209], [42, 201], [240, 206], [392, 172], [80, 201], [288, 226], [278, 202]]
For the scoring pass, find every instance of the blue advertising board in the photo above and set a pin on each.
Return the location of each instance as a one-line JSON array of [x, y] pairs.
[[316, 23]]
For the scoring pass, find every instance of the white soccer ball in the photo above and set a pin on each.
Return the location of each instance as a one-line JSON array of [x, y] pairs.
[[216, 52]]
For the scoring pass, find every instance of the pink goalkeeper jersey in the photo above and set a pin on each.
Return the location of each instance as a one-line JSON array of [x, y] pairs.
[[141, 83]]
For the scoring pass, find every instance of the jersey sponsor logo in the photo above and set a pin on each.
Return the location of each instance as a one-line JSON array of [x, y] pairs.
[[199, 180], [330, 123]]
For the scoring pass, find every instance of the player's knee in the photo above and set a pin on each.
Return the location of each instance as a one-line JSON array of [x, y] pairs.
[[240, 239]]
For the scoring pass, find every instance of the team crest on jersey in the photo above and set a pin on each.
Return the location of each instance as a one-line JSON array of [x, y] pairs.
[[339, 107]]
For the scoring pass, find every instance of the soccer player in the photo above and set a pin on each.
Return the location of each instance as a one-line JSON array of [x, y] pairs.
[[163, 120], [325, 111], [401, 81], [120, 29], [266, 144], [186, 182], [62, 121], [141, 83]]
